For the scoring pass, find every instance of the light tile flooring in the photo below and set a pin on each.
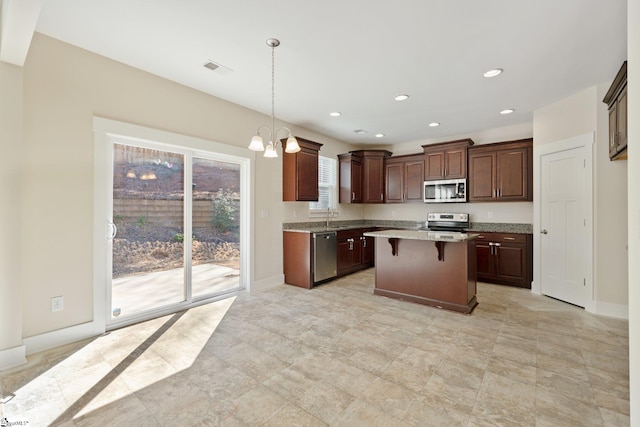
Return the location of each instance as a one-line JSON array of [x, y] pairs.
[[337, 355]]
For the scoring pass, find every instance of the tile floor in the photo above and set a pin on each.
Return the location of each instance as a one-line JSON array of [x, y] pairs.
[[337, 355]]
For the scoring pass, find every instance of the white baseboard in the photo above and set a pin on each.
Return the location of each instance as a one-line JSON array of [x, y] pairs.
[[49, 340], [610, 309], [269, 282], [12, 357]]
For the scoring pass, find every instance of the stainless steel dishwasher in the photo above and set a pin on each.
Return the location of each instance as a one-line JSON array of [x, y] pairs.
[[325, 261]]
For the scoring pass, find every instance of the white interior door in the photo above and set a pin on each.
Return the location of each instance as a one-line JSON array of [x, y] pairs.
[[563, 225]]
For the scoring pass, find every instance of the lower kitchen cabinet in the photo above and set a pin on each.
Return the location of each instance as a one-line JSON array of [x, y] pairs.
[[298, 258], [505, 258], [355, 251]]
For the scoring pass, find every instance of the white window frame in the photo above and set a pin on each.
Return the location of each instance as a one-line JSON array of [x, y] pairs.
[[325, 163]]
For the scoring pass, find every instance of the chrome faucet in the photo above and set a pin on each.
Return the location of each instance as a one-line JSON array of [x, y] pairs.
[[329, 215]]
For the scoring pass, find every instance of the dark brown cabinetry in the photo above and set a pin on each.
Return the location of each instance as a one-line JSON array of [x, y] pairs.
[[446, 160], [350, 173], [505, 258], [300, 172], [362, 176], [298, 258], [501, 171], [404, 178], [616, 99], [355, 251]]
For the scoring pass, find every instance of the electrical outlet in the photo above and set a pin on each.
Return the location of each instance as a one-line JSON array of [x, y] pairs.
[[490, 215], [57, 304]]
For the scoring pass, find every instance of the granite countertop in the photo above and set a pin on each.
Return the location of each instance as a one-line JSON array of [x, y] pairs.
[[433, 236], [476, 227]]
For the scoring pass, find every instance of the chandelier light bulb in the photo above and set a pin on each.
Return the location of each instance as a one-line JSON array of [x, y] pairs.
[[270, 152]]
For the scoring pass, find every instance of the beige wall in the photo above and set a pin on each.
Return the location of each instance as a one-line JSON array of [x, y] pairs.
[[11, 148], [579, 114], [64, 88], [633, 77]]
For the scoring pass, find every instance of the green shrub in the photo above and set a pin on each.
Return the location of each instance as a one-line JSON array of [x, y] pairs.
[[223, 211]]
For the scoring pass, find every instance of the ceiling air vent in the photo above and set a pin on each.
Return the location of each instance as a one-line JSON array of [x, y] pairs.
[[218, 68]]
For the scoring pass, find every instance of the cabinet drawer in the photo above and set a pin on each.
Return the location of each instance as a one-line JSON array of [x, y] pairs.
[[503, 237]]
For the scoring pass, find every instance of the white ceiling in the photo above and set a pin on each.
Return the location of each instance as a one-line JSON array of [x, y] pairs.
[[354, 56]]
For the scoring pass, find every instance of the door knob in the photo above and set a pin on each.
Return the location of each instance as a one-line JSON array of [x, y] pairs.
[[543, 231]]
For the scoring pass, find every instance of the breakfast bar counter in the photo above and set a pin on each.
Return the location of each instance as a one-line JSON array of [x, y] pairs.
[[428, 267]]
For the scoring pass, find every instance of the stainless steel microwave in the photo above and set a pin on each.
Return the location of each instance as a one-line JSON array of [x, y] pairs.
[[445, 191]]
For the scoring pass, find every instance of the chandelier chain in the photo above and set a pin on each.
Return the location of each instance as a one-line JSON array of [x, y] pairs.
[[273, 89]]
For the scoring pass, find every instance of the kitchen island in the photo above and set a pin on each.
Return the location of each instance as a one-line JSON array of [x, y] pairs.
[[428, 267]]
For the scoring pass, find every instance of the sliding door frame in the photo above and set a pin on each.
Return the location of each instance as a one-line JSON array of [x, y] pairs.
[[106, 133]]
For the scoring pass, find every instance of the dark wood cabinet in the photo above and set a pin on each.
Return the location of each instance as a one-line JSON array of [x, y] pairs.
[[298, 258], [501, 171], [355, 251], [505, 258], [404, 178], [361, 176], [616, 99], [446, 160], [373, 175], [350, 178], [300, 172]]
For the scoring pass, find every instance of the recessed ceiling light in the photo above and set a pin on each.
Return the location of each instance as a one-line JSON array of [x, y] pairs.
[[507, 111], [360, 131], [335, 114], [494, 72], [379, 135], [401, 97], [434, 124]]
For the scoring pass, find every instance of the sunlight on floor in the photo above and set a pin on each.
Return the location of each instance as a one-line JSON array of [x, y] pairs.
[[145, 354]]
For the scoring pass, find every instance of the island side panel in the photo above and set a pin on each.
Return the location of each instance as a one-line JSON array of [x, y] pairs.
[[472, 270], [416, 272]]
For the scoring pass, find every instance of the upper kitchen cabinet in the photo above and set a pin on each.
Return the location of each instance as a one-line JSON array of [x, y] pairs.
[[501, 171], [404, 179], [446, 160], [350, 178], [300, 172], [362, 176], [616, 99]]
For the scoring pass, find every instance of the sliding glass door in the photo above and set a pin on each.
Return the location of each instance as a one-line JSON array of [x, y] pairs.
[[175, 229]]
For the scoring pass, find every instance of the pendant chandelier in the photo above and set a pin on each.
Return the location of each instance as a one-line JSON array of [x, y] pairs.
[[257, 144]]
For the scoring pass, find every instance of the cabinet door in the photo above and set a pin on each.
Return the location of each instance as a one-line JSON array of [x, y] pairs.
[[613, 130], [414, 181], [622, 120], [350, 180], [511, 263], [455, 163], [307, 175], [394, 182], [368, 245], [373, 180], [485, 259], [481, 176], [345, 256], [300, 173], [356, 249], [433, 165], [356, 182], [512, 174]]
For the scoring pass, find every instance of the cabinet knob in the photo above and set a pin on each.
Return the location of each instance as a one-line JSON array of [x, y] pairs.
[[543, 232]]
